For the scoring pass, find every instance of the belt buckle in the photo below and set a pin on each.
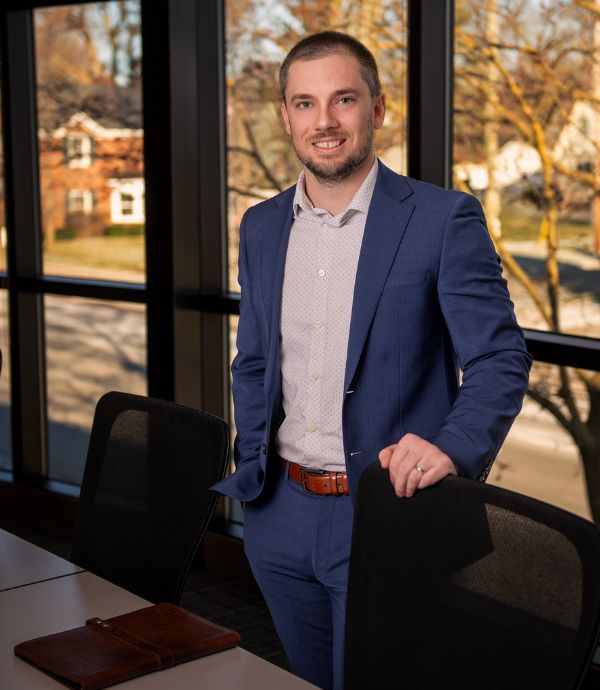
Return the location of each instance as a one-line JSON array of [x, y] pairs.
[[303, 477]]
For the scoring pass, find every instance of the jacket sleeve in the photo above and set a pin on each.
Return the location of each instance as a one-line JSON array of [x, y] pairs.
[[248, 368], [488, 343]]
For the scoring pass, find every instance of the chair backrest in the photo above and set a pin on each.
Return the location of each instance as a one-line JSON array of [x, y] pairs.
[[145, 501], [468, 585]]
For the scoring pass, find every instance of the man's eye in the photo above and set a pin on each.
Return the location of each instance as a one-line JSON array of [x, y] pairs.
[[346, 99], [303, 105]]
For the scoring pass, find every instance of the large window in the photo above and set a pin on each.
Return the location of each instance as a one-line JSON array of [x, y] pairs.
[[91, 158], [142, 188], [91, 145], [92, 347], [73, 279], [261, 160], [527, 142]]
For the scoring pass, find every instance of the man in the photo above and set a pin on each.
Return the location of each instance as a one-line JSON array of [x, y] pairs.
[[363, 293]]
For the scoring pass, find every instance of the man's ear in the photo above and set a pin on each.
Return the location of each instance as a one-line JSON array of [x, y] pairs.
[[379, 111], [284, 115]]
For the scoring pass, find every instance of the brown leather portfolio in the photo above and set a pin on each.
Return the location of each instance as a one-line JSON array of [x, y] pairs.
[[105, 652]]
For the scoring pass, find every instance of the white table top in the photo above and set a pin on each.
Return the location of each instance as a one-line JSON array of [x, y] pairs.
[[64, 603], [22, 563]]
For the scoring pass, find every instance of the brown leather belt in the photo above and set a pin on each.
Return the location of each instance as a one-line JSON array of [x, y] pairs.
[[318, 481]]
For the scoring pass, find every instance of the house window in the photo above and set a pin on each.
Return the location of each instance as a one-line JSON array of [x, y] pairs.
[[127, 201], [78, 151], [80, 201]]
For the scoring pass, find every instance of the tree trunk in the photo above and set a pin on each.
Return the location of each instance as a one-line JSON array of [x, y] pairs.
[[491, 197], [596, 95]]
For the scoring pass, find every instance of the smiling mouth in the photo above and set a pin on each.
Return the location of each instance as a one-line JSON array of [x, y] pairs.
[[329, 145]]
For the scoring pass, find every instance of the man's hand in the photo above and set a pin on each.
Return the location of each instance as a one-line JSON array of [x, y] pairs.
[[414, 463]]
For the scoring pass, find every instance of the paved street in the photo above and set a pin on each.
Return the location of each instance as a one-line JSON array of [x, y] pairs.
[[579, 292], [540, 459], [92, 347]]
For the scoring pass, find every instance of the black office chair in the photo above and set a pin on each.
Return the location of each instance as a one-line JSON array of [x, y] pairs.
[[469, 586], [145, 503]]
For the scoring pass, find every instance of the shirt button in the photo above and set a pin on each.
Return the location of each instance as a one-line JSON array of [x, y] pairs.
[[322, 272], [318, 324], [315, 376], [311, 426]]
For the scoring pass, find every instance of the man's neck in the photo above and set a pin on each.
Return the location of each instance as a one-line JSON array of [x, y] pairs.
[[335, 197]]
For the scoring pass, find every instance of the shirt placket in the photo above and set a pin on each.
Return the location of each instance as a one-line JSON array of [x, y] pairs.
[[319, 319]]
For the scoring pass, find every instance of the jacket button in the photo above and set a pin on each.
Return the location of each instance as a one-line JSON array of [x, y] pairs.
[[263, 449]]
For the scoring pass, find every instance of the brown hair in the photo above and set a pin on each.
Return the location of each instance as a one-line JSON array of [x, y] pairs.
[[331, 43]]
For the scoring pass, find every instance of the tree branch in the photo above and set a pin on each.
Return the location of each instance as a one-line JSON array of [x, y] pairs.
[[258, 158], [551, 407], [245, 192]]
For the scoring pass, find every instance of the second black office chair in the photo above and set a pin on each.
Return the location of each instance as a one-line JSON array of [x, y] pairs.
[[469, 586], [145, 502]]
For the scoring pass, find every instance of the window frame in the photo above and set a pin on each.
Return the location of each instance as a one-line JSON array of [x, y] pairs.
[[78, 156], [80, 201], [185, 207]]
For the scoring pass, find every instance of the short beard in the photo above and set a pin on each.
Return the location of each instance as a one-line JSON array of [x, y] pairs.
[[333, 176]]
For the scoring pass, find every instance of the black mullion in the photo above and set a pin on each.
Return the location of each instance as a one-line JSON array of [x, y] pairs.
[[430, 75], [26, 315], [156, 90], [227, 303], [213, 201], [81, 287], [15, 5], [198, 172], [563, 349]]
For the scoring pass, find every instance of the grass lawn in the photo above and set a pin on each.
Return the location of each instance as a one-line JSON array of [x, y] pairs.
[[108, 256], [519, 223]]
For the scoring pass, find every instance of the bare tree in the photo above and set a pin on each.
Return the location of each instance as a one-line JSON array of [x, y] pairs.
[[526, 78], [88, 59]]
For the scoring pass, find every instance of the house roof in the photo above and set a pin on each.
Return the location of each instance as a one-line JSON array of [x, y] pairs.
[[113, 107]]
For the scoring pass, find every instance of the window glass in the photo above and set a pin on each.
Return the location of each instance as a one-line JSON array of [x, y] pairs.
[[527, 143], [261, 161], [552, 450], [92, 347], [91, 140]]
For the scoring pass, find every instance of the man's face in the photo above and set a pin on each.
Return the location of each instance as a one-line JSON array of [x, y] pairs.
[[330, 114]]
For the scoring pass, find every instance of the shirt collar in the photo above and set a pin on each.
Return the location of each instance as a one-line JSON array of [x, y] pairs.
[[360, 202]]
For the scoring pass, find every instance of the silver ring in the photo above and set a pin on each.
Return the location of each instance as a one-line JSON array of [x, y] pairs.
[[420, 469]]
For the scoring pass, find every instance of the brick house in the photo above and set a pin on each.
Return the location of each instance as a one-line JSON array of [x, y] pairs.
[[91, 175]]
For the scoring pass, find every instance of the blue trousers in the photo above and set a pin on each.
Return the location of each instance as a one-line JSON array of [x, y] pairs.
[[298, 546]]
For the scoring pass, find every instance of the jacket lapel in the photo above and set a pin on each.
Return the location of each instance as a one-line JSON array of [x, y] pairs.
[[388, 217], [274, 249]]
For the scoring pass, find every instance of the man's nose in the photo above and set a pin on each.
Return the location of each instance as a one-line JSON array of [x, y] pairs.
[[326, 118]]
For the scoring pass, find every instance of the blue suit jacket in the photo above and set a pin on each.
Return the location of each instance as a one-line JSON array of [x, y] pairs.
[[429, 299]]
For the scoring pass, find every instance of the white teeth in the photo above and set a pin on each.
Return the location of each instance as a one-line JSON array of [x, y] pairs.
[[328, 144]]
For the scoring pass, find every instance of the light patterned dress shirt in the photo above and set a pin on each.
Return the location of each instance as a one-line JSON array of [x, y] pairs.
[[318, 288]]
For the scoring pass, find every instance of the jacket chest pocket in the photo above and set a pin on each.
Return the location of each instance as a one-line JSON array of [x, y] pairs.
[[405, 291], [406, 278]]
